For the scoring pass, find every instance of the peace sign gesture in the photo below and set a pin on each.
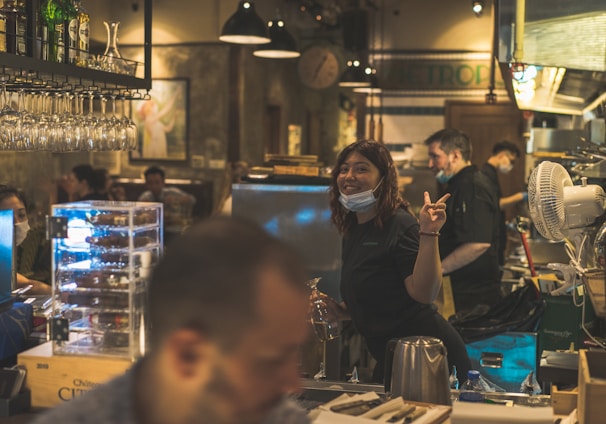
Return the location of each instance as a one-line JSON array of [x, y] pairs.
[[433, 215]]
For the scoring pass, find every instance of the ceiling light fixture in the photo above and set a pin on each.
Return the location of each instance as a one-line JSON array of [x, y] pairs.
[[282, 45], [245, 26], [478, 7]]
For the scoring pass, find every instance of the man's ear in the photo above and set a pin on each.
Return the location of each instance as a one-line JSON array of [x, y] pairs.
[[189, 351], [457, 154]]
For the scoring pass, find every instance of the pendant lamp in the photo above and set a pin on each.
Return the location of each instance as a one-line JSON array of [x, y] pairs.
[[245, 26], [282, 45]]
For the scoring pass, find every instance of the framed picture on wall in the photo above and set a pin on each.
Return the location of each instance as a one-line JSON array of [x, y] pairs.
[[162, 122]]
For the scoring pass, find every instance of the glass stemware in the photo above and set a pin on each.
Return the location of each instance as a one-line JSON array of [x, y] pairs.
[[132, 137], [9, 119], [324, 321]]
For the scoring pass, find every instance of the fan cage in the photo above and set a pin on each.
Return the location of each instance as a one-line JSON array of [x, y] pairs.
[[545, 198]]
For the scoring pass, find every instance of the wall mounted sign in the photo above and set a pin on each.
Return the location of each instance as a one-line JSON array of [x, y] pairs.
[[436, 72]]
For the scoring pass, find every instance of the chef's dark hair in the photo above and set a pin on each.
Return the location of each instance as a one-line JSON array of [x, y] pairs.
[[387, 194], [506, 146], [450, 140], [207, 280]]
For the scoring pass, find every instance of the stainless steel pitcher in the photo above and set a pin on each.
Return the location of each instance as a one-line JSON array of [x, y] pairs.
[[420, 370]]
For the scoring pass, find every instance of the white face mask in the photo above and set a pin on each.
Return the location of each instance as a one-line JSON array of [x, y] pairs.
[[504, 169], [21, 230], [359, 202]]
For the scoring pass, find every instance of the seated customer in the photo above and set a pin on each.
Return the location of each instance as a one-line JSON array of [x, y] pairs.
[[33, 257], [84, 181], [177, 203], [228, 313]]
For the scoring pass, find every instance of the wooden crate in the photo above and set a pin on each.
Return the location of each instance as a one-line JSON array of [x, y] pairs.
[[563, 401], [53, 379], [591, 408]]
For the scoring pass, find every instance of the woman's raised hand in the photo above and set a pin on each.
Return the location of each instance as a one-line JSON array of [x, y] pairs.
[[433, 215]]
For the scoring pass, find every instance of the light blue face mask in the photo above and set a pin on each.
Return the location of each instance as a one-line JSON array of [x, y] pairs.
[[442, 177], [359, 202]]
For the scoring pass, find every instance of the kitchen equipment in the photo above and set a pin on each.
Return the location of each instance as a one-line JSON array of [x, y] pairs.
[[419, 370]]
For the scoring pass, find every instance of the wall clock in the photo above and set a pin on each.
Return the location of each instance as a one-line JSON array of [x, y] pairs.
[[319, 67]]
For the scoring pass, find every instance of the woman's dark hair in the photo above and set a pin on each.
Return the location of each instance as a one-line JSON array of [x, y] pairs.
[[7, 191], [387, 194]]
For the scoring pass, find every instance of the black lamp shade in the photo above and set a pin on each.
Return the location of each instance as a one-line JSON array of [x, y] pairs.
[[245, 26], [282, 45]]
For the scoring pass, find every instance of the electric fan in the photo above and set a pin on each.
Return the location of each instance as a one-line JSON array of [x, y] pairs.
[[561, 210], [557, 206]]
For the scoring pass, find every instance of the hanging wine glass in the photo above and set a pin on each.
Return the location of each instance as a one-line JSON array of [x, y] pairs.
[[132, 135], [43, 125], [9, 119], [67, 123], [324, 321], [115, 126], [27, 123], [102, 130], [90, 124]]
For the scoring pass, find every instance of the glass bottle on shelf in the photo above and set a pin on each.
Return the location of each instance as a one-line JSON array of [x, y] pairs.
[[50, 12], [79, 37], [69, 13], [55, 14], [9, 14], [2, 31], [21, 28]]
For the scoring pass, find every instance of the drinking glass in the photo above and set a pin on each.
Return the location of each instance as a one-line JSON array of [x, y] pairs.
[[132, 137], [324, 321], [9, 120]]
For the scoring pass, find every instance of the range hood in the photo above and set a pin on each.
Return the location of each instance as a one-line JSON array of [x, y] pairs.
[[563, 47]]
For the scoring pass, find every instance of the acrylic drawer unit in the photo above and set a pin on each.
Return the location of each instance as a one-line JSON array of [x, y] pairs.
[[103, 253]]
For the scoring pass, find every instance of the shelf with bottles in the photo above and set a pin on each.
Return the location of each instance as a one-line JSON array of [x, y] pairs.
[[102, 255], [31, 57]]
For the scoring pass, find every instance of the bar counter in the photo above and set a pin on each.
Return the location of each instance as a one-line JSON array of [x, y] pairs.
[[316, 393]]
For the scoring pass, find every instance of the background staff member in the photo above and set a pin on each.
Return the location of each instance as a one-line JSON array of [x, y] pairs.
[[391, 269], [503, 158], [468, 245]]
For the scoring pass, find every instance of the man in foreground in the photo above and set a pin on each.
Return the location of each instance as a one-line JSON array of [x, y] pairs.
[[228, 308]]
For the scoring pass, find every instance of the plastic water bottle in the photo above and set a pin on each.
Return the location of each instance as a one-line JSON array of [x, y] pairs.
[[471, 390]]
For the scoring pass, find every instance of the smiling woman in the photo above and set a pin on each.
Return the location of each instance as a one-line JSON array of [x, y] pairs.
[[391, 270]]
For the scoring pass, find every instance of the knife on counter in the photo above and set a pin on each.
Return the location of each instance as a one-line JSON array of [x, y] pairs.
[[405, 411], [414, 415]]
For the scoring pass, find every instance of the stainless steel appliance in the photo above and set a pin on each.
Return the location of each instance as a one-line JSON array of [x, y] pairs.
[[420, 371]]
